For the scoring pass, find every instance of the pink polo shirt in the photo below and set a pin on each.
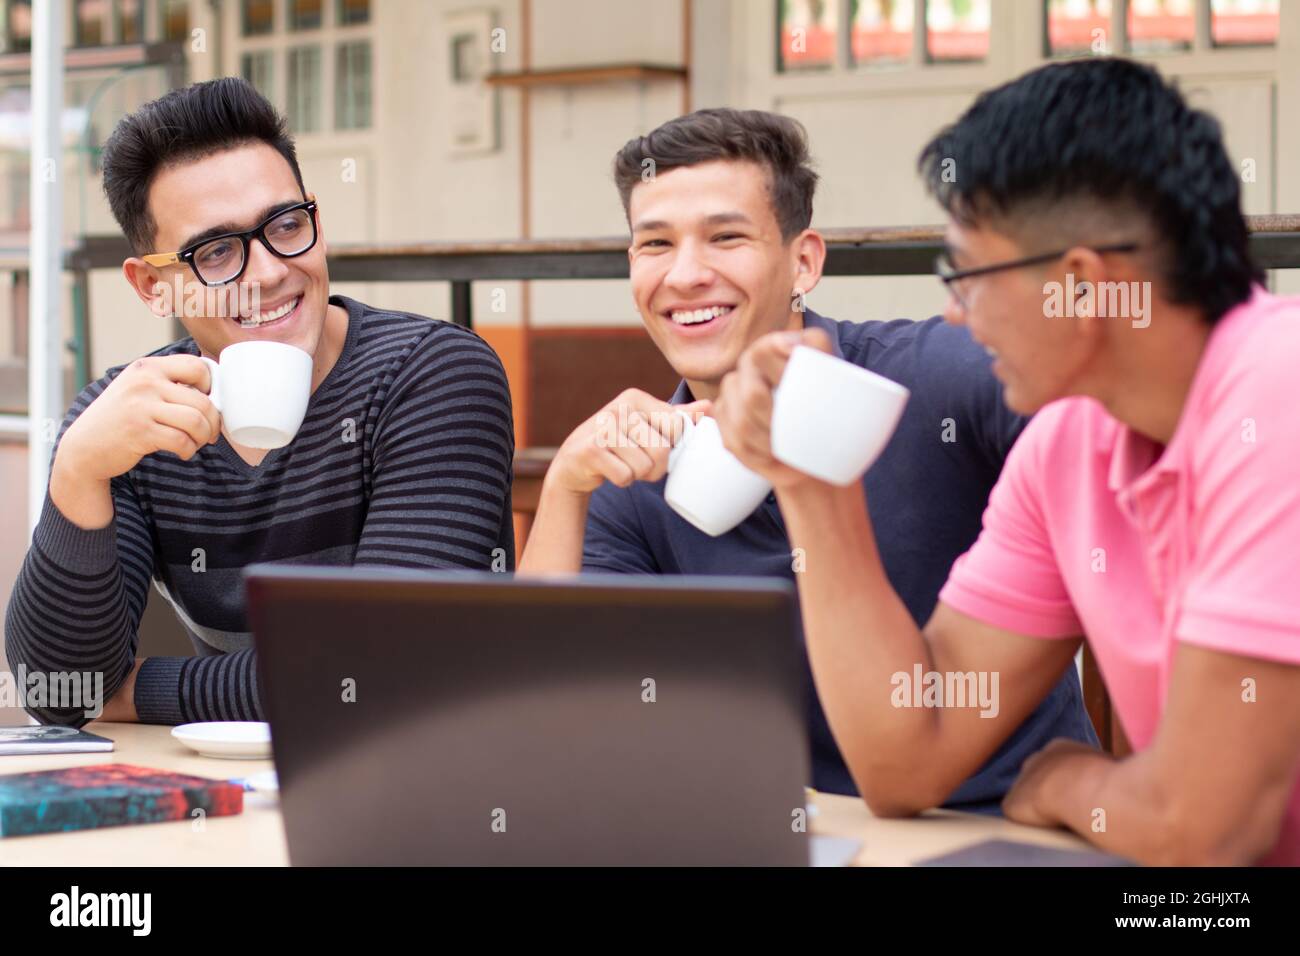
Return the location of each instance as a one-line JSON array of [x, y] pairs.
[[1092, 530]]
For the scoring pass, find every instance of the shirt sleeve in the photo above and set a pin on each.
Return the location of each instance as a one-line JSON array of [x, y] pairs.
[[443, 461], [77, 601], [614, 540], [1241, 596], [1010, 578]]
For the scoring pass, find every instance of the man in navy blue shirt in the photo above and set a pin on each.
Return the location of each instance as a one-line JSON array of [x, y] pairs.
[[719, 204]]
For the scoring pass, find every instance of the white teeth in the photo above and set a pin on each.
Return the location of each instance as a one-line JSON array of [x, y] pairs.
[[696, 316], [262, 318]]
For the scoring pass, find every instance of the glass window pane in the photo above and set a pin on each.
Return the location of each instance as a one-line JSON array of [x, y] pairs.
[[352, 86], [175, 19], [881, 31], [353, 11], [465, 59], [130, 21], [807, 31], [957, 29], [91, 25], [259, 17], [1159, 26], [1244, 22], [18, 26], [1078, 26], [304, 14], [303, 92], [257, 69]]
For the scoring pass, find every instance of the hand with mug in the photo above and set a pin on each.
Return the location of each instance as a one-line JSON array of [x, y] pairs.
[[628, 440], [793, 412], [157, 403]]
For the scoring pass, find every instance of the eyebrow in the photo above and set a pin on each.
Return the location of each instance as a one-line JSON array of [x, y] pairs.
[[717, 219], [226, 228]]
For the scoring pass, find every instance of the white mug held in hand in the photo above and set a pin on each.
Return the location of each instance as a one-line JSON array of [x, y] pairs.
[[707, 485], [831, 419], [261, 390]]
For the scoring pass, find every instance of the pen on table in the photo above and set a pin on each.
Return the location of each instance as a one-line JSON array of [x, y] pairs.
[[265, 782]]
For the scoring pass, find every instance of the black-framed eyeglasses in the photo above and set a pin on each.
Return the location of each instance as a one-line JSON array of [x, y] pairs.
[[953, 278], [221, 259]]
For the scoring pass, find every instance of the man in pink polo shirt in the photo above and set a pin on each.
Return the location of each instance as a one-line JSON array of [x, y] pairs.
[[1152, 507]]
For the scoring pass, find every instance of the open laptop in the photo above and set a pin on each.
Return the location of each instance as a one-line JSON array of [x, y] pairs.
[[470, 718]]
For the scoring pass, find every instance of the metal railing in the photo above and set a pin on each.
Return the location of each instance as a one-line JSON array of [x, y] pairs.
[[911, 250], [891, 251], [1275, 242]]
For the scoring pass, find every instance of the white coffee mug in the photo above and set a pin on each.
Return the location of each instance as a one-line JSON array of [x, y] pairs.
[[830, 418], [261, 390], [707, 485]]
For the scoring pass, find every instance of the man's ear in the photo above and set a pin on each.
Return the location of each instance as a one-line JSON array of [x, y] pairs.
[[320, 225], [153, 290], [1085, 269], [810, 258]]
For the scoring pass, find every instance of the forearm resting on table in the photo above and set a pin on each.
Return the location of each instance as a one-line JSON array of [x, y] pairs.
[[1137, 809], [859, 634], [1211, 788], [555, 539]]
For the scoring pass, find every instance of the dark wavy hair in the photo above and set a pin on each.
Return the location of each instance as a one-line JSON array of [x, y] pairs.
[[1106, 140], [776, 143], [182, 126]]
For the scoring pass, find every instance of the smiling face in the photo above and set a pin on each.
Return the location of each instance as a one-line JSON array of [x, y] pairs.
[[1036, 357], [710, 271], [231, 191]]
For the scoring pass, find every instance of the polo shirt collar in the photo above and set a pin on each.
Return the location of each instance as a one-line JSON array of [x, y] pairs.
[[1137, 461], [1132, 455], [811, 320]]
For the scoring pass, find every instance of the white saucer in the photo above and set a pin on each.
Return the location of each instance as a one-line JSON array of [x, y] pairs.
[[231, 739]]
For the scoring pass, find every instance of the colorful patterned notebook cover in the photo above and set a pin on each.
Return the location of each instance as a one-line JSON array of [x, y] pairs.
[[108, 795]]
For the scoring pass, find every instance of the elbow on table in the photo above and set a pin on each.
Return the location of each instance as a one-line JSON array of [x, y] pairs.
[[891, 808], [894, 793], [58, 718]]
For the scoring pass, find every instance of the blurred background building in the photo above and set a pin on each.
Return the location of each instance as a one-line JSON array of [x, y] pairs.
[[453, 120]]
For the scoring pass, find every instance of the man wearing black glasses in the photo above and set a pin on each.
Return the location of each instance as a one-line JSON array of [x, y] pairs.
[[403, 458], [1150, 507]]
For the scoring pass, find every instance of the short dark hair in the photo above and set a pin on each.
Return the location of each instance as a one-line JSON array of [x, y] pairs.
[[1100, 138], [182, 126], [776, 143]]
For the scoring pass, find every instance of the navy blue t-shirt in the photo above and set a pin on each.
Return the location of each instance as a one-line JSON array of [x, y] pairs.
[[926, 495]]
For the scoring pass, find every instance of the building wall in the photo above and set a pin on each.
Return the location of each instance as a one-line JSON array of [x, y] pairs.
[[866, 127]]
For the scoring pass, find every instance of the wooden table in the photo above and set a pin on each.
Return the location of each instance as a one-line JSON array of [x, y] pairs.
[[256, 837]]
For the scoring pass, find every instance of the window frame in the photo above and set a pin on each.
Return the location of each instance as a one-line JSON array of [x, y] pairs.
[[326, 39]]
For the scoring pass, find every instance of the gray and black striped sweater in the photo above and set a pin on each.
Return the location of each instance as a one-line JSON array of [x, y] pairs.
[[403, 459]]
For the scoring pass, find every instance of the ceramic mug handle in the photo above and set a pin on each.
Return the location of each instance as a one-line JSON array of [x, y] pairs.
[[688, 426], [214, 373]]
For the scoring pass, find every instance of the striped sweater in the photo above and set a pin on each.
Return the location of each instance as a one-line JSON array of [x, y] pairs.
[[403, 459]]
